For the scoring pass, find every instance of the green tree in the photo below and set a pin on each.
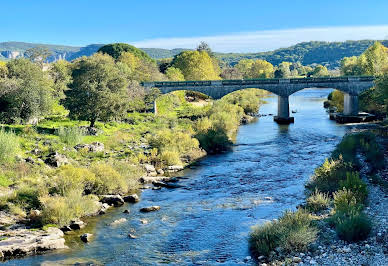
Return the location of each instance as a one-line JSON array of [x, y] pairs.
[[244, 67], [350, 66], [174, 74], [98, 90], [195, 65], [116, 49], [320, 71], [374, 59], [261, 69], [60, 73], [26, 92], [283, 70]]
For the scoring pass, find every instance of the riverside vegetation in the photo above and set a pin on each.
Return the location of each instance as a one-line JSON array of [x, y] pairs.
[[336, 198], [73, 133]]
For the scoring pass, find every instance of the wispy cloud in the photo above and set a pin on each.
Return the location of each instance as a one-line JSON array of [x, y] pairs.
[[270, 39]]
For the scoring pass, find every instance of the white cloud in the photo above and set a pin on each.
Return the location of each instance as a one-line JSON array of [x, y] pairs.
[[270, 39]]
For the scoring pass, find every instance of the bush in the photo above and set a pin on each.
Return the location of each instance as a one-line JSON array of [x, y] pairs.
[[108, 180], [68, 178], [27, 196], [345, 201], [61, 210], [326, 178], [356, 185], [318, 201], [9, 146], [292, 232], [70, 135], [353, 226]]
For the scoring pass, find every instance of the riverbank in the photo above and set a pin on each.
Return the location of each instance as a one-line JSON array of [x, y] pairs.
[[112, 161], [340, 238]]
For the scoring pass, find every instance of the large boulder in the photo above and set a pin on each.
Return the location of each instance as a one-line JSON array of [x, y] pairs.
[[113, 200], [77, 224], [132, 198], [56, 160], [22, 242]]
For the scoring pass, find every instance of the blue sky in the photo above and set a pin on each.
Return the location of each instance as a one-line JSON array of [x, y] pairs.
[[238, 25]]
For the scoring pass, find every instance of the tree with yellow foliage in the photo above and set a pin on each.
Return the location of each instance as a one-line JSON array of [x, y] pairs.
[[195, 65]]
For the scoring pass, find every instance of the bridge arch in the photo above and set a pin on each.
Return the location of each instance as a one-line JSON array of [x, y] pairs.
[[351, 86]]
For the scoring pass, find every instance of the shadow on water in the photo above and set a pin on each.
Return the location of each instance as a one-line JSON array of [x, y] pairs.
[[208, 220]]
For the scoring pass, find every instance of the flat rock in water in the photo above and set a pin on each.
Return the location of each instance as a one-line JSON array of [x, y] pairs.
[[119, 221], [150, 209], [22, 242]]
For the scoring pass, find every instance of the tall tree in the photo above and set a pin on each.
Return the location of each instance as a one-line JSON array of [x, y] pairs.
[[26, 92], [195, 65], [174, 74], [98, 90], [261, 69]]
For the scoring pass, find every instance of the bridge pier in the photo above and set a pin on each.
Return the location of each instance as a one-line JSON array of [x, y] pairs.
[[283, 116], [350, 104]]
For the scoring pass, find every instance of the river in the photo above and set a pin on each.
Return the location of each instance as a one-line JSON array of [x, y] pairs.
[[207, 221]]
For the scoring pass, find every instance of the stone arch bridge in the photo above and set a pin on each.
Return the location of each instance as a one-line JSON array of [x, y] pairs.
[[351, 86]]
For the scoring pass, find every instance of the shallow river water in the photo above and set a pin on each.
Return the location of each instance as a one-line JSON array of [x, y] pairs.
[[207, 221]]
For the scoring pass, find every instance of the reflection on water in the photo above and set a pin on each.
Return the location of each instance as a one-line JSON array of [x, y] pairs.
[[208, 220]]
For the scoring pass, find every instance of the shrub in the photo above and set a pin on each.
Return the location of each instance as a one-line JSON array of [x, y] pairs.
[[9, 146], [68, 178], [345, 201], [70, 135], [61, 210], [108, 180], [27, 196], [292, 232], [264, 238], [130, 173], [326, 177], [353, 227], [356, 185], [318, 201]]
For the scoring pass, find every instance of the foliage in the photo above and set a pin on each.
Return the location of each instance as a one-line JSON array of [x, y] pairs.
[[26, 93], [326, 177], [319, 71], [115, 50], [356, 185], [107, 180], [253, 69], [9, 146], [353, 227], [293, 232], [336, 99], [61, 210], [70, 135], [248, 99], [174, 74], [60, 72], [98, 90], [317, 201], [283, 70], [195, 65]]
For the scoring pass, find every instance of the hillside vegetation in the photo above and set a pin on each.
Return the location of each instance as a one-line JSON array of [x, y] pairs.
[[328, 54]]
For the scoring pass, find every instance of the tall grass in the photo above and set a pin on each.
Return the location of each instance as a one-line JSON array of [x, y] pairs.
[[70, 135], [293, 232], [9, 146]]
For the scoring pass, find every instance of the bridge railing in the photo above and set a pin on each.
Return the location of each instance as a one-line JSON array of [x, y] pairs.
[[242, 82]]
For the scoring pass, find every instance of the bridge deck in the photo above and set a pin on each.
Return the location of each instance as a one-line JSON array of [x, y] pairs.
[[242, 82]]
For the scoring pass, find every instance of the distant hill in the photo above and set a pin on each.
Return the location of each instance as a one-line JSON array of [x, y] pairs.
[[11, 50], [325, 53]]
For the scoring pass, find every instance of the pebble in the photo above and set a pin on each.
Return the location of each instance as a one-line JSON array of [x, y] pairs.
[[296, 259]]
